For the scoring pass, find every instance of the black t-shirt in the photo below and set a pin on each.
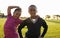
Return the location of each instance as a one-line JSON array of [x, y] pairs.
[[34, 29]]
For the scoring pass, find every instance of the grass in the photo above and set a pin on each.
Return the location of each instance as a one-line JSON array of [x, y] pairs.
[[53, 28], [2, 21]]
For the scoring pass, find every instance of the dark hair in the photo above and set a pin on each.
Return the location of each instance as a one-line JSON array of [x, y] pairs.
[[18, 9], [33, 6]]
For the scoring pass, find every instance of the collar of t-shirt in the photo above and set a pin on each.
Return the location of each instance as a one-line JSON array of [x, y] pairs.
[[33, 20]]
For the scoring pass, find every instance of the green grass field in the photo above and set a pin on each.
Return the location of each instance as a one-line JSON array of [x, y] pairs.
[[53, 28]]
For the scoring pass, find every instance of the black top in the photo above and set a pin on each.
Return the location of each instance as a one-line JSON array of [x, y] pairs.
[[33, 28]]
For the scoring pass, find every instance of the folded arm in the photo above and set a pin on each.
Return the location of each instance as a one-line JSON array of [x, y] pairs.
[[9, 9], [45, 26]]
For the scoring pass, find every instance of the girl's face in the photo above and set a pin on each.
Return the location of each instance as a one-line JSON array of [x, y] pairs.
[[32, 11], [17, 14]]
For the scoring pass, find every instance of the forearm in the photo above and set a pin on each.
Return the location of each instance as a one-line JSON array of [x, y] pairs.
[[11, 7], [20, 35], [44, 31], [20, 28], [19, 31]]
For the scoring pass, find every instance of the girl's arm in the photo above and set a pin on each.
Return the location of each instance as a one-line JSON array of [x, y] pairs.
[[22, 25], [45, 26], [9, 9]]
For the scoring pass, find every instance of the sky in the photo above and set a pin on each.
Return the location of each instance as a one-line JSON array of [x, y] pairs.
[[44, 7]]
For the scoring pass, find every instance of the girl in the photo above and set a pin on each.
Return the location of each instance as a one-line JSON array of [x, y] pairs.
[[12, 22], [33, 23]]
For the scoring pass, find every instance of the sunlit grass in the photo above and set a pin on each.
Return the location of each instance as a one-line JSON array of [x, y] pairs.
[[2, 21], [53, 28]]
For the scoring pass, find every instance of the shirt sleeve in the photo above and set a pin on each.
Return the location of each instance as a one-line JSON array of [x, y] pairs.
[[20, 21], [20, 28], [45, 26]]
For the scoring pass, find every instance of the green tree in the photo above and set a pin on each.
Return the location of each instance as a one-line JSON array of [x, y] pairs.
[[47, 17]]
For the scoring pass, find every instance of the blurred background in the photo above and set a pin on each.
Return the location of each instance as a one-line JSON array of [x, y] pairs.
[[49, 10]]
